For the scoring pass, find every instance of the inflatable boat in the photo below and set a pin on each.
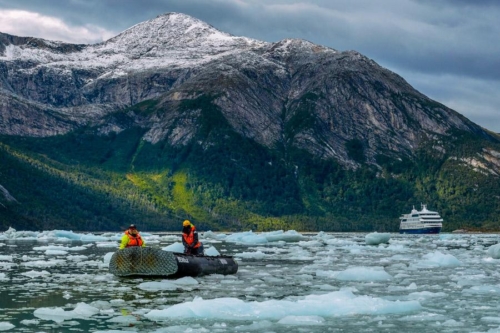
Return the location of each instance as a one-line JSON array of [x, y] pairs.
[[148, 261]]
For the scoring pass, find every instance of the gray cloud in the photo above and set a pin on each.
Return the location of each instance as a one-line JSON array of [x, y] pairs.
[[447, 49]]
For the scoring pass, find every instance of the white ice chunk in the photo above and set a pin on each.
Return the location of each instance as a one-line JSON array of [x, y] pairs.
[[339, 303], [182, 283], [5, 326], [158, 286], [494, 251], [77, 248], [101, 305], [186, 281], [107, 257], [77, 258], [452, 323], [484, 289], [441, 260], [288, 236], [212, 235], [66, 234], [92, 238], [175, 247], [376, 238], [363, 274], [251, 238], [251, 255], [302, 320], [35, 274], [425, 294], [30, 322], [107, 244], [56, 253], [212, 251], [259, 326], [42, 263], [495, 320], [81, 311], [312, 243], [51, 248], [424, 317], [246, 238]]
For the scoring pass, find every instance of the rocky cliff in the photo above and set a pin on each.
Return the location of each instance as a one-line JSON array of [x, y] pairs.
[[289, 93]]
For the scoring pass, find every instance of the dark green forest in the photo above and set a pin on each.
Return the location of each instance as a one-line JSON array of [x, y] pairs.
[[222, 181]]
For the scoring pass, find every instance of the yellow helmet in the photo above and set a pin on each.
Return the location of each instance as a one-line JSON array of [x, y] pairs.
[[186, 223]]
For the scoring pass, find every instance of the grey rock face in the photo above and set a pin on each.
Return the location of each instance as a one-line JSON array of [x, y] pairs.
[[4, 194], [284, 94]]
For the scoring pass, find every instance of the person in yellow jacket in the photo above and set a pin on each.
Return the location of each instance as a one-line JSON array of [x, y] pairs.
[[132, 238]]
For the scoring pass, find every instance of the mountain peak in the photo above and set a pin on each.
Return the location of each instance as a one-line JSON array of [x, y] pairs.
[[175, 30]]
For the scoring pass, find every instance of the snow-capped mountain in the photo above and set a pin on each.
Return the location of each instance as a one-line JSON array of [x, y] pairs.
[[168, 40], [291, 92]]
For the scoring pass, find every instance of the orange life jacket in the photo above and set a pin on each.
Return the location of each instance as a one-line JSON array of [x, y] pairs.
[[189, 238], [134, 240]]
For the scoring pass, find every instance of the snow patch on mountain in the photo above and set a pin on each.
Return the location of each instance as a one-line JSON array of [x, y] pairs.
[[169, 40]]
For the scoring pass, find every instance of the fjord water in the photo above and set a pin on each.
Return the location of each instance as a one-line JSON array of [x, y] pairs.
[[59, 282]]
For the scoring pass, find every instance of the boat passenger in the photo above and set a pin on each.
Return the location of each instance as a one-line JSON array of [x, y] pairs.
[[131, 238], [190, 239]]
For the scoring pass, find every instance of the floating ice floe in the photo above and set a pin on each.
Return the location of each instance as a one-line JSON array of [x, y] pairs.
[[367, 274], [211, 251], [338, 303], [108, 244], [81, 311], [423, 295], [377, 238], [251, 255], [252, 238], [302, 320], [35, 274], [246, 238], [212, 235], [182, 283], [5, 326], [484, 289], [437, 259], [175, 247], [107, 257], [494, 251]]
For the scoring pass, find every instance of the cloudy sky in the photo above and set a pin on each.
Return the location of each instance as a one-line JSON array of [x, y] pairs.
[[447, 49]]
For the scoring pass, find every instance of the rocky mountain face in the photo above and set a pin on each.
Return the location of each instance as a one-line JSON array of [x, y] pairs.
[[289, 93], [173, 119]]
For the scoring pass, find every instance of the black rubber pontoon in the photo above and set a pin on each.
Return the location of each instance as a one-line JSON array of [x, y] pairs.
[[148, 261]]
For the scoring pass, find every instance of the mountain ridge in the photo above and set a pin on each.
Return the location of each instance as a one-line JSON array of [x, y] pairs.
[[177, 92]]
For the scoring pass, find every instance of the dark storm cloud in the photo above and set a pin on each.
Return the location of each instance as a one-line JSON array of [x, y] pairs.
[[449, 42]]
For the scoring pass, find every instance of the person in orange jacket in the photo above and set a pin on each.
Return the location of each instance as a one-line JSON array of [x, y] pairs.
[[131, 238], [190, 239]]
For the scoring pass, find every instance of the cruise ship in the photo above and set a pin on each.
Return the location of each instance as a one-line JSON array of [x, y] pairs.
[[421, 222]]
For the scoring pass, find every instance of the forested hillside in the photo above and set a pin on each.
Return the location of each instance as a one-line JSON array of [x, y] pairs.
[[223, 181]]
